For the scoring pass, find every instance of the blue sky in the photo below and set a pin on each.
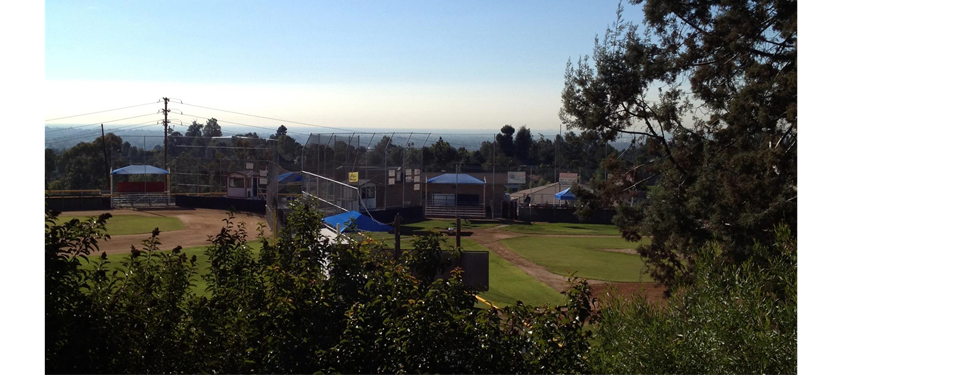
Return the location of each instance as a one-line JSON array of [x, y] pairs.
[[414, 64]]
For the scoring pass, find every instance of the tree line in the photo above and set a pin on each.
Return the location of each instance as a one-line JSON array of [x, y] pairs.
[[200, 157]]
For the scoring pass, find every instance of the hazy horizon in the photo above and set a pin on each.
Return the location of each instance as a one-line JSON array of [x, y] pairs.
[[419, 65]]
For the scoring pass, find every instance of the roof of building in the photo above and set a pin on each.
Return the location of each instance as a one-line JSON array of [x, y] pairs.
[[363, 222], [454, 178], [534, 190], [139, 169]]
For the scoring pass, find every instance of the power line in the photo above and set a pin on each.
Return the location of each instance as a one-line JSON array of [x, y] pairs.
[[97, 123], [248, 125], [115, 130], [92, 113], [84, 135], [268, 118]]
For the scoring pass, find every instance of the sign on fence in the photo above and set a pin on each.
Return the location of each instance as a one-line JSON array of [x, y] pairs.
[[354, 176], [516, 177], [568, 178]]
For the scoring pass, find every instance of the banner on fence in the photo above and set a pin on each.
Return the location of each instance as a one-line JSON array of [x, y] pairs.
[[568, 178], [516, 177]]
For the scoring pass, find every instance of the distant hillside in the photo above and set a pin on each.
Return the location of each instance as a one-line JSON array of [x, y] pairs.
[[151, 136]]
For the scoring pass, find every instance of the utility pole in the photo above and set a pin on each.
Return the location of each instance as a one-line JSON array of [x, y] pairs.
[[165, 122], [106, 159], [493, 179]]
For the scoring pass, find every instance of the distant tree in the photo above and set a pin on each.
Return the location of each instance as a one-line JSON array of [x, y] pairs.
[[443, 155], [477, 159], [463, 156], [281, 131], [523, 144], [543, 151], [212, 129], [505, 140], [395, 156], [50, 164], [83, 164], [714, 84], [194, 130]]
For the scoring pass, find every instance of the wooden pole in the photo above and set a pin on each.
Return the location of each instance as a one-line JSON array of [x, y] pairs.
[[396, 236], [106, 159], [458, 231]]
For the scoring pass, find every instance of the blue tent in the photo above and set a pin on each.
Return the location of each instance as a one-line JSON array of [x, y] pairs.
[[566, 195], [289, 177], [364, 222], [454, 178], [139, 169]]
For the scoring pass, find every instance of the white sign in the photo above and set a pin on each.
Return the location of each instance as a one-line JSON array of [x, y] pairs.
[[568, 178], [516, 177]]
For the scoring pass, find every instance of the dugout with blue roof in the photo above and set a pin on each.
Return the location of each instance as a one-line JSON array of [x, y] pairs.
[[139, 169], [363, 222], [289, 177], [455, 178]]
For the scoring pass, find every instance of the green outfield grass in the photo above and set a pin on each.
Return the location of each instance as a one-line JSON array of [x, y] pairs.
[[133, 224], [562, 255], [509, 284], [443, 224], [564, 228]]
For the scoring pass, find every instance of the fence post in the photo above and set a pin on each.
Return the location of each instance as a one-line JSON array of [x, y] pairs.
[[396, 236], [458, 232]]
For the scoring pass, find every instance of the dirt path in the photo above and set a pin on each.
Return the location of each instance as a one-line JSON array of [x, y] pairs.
[[198, 224], [490, 238], [624, 251]]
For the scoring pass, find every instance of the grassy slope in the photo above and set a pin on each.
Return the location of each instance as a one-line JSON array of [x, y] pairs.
[[443, 224], [507, 282], [134, 224], [580, 254]]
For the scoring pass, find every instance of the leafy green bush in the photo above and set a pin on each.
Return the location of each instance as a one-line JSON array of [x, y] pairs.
[[303, 305], [732, 319]]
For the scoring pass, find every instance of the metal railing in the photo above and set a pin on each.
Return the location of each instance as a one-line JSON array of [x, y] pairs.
[[331, 192]]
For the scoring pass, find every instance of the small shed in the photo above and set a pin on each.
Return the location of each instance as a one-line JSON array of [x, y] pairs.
[[246, 184]]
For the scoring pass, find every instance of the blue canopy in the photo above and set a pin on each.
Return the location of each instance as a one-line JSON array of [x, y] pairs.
[[139, 169], [289, 177], [453, 178], [364, 222], [566, 195]]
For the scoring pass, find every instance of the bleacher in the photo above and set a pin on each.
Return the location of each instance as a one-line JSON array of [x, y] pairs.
[[465, 211], [142, 200]]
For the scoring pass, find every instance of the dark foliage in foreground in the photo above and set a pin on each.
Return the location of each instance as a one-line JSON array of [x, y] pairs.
[[302, 305]]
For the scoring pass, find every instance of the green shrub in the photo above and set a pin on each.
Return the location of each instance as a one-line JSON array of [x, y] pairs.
[[302, 305], [732, 319]]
